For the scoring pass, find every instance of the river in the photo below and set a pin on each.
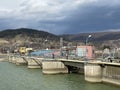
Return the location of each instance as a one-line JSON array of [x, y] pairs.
[[14, 77]]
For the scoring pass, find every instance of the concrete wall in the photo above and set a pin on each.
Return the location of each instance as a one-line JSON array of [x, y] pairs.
[[111, 74], [20, 61], [10, 58], [93, 73], [3, 57], [34, 63], [13, 59], [53, 67]]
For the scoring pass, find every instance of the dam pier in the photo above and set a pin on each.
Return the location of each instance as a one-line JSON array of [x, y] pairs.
[[93, 70]]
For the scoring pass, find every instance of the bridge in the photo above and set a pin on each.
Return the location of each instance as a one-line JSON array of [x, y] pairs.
[[93, 71]]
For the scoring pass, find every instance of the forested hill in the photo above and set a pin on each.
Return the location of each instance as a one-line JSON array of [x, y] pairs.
[[12, 33]]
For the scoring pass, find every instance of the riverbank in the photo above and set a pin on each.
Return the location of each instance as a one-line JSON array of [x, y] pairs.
[[3, 57]]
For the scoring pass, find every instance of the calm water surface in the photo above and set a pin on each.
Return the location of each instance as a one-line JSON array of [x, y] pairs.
[[14, 77]]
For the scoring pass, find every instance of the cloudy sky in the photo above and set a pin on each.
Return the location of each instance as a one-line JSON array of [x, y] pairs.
[[61, 16]]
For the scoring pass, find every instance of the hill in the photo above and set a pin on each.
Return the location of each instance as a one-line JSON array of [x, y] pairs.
[[96, 36], [12, 33], [99, 39], [13, 38], [28, 37]]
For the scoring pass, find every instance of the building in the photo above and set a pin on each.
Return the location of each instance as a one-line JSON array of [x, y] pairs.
[[85, 51]]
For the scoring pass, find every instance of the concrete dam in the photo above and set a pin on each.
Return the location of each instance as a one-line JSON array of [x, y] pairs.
[[93, 71]]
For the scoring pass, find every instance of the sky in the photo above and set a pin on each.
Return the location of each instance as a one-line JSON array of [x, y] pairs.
[[61, 16]]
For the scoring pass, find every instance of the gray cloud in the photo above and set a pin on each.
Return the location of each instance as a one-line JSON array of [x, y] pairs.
[[70, 16]]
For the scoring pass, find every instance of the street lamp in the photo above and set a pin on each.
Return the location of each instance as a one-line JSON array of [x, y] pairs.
[[45, 44], [46, 40], [89, 36], [86, 42], [61, 45]]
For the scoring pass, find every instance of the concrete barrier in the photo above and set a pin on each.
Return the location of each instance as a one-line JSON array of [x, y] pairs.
[[111, 74], [13, 59], [35, 63], [10, 58], [93, 73], [103, 72], [3, 57], [53, 67], [20, 61]]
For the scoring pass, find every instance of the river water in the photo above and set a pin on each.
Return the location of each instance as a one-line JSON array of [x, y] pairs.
[[14, 77]]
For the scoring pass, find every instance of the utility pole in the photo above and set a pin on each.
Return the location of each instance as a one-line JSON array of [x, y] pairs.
[[61, 45], [86, 50]]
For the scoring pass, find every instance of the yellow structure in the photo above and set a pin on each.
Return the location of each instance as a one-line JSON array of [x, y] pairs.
[[24, 50]]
